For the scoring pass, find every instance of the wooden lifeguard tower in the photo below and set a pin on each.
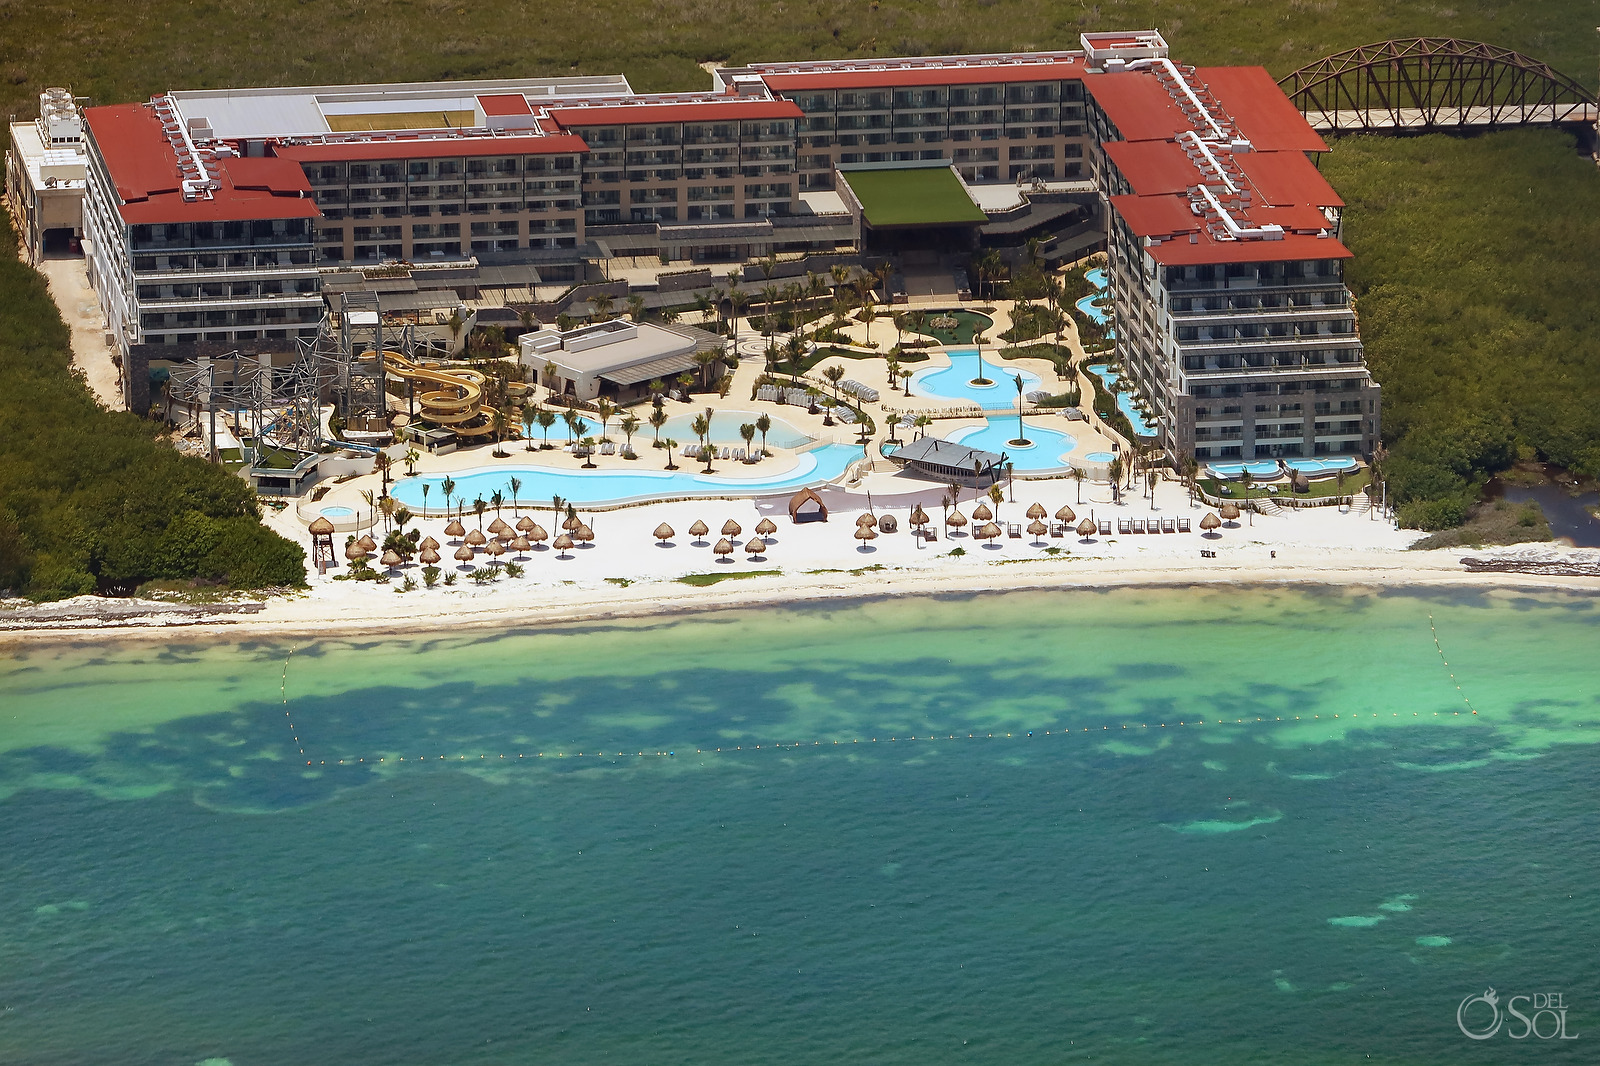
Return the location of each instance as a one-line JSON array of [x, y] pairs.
[[322, 544]]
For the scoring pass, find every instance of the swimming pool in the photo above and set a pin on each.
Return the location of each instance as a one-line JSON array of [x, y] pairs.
[[1097, 278], [1047, 452], [1137, 420], [725, 430], [1234, 471], [815, 467], [1096, 314], [954, 382], [1314, 467], [1100, 457], [337, 512]]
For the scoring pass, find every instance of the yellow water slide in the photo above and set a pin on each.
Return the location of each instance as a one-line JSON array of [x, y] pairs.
[[455, 404]]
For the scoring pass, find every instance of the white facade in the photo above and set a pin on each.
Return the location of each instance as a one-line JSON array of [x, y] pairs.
[[46, 176]]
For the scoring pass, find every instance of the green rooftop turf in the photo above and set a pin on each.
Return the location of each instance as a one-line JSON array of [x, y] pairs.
[[917, 196]]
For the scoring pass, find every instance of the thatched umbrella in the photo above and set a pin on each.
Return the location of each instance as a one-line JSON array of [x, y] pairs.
[[562, 544], [368, 545], [321, 526], [989, 532], [867, 520], [428, 556], [1086, 528], [537, 534], [1038, 529], [571, 522], [956, 520], [730, 528], [583, 534], [476, 539], [755, 546], [919, 517], [981, 513], [766, 528], [663, 533], [1229, 511], [864, 534], [495, 549], [455, 528], [724, 547], [699, 529], [355, 552], [1210, 523], [525, 524], [497, 527], [429, 542], [522, 546], [1066, 515], [1037, 512], [464, 554]]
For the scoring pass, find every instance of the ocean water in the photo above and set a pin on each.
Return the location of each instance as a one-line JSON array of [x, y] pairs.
[[1186, 826]]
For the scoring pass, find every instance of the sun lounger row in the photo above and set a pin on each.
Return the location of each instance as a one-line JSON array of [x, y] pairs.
[[1152, 525], [865, 393], [692, 451], [778, 394]]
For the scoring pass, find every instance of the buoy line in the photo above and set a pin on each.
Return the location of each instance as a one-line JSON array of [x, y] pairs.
[[283, 693], [1440, 649]]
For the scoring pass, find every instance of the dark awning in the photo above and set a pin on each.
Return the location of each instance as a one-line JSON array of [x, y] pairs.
[[663, 368]]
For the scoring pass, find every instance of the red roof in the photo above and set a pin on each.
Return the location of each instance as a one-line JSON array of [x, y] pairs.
[[1153, 167], [691, 111], [1260, 109], [430, 148], [1184, 240], [898, 77], [502, 104], [1137, 105], [1287, 178], [144, 169]]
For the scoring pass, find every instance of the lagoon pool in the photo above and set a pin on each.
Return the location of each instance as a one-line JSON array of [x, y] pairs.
[[1047, 452], [1261, 468], [815, 467], [1095, 314], [1097, 278], [1313, 467], [954, 382], [725, 430], [1137, 420]]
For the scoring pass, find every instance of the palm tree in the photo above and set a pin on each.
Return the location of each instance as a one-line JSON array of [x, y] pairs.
[[498, 499], [1018, 379], [448, 487], [794, 354], [515, 484], [1246, 479], [834, 374], [658, 418], [605, 409], [478, 507], [891, 420], [425, 488], [574, 424], [703, 361], [382, 463], [997, 496], [707, 453], [499, 421], [701, 426], [1150, 479], [1115, 470], [672, 446], [1078, 475], [769, 296], [600, 303], [657, 389], [636, 307], [685, 381], [763, 423], [748, 432], [546, 420], [892, 365], [630, 425], [702, 303], [1191, 474], [922, 422], [530, 415], [868, 313], [410, 459], [372, 507], [738, 300]]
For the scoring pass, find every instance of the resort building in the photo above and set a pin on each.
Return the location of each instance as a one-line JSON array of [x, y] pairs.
[[617, 358], [1226, 270], [46, 176], [227, 217]]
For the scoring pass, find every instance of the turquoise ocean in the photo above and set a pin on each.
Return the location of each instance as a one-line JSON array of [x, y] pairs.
[[1230, 826]]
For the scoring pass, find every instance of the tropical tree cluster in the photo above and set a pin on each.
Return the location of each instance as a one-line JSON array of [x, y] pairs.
[[92, 500]]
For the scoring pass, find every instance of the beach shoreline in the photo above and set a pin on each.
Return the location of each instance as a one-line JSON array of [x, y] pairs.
[[298, 615]]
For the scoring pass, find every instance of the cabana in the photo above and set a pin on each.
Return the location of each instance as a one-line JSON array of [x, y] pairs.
[[944, 461], [807, 506]]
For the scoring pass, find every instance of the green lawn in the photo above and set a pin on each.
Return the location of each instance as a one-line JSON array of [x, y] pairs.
[[968, 324], [1320, 490], [912, 196]]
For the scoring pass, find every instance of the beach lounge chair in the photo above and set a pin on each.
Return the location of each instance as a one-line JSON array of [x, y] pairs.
[[1015, 532], [1058, 529], [1105, 527], [1183, 525], [1169, 525], [726, 453], [1123, 526]]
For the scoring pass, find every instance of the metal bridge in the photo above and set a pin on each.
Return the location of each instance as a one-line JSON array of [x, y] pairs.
[[1435, 83]]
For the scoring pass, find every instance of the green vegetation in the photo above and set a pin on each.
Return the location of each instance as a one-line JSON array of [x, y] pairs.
[[1321, 489], [967, 324], [1493, 522], [1475, 277], [912, 196], [92, 500], [127, 52], [702, 580]]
